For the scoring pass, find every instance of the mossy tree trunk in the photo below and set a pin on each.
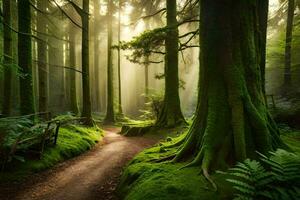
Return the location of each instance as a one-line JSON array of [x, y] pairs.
[[86, 107], [42, 57], [25, 58], [288, 43], [7, 58], [232, 120], [171, 114], [110, 113]]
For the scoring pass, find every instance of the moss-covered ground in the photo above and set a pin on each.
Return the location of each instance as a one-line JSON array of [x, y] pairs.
[[147, 179], [72, 141]]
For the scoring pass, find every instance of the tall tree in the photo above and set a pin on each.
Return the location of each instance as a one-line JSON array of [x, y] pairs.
[[171, 114], [25, 57], [7, 58], [232, 120], [87, 107], [42, 56], [97, 53], [72, 73], [263, 10], [110, 113], [288, 43], [119, 61]]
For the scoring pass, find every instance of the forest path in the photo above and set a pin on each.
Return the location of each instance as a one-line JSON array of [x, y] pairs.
[[92, 175]]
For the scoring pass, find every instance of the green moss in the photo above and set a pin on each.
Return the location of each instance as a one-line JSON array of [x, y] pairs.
[[166, 180], [72, 141], [147, 179]]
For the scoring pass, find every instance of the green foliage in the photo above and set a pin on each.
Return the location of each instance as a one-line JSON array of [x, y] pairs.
[[145, 44], [276, 177]]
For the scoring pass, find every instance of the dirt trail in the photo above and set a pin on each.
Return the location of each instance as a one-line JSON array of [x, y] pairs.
[[93, 175]]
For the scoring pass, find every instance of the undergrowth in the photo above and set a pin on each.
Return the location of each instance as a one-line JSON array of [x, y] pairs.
[[72, 141], [169, 181]]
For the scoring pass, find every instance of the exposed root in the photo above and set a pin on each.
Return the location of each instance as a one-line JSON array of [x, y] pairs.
[[207, 176]]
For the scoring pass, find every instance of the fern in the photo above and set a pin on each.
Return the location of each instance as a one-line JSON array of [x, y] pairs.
[[274, 177]]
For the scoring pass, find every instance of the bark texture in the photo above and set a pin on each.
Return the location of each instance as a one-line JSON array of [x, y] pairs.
[[232, 120], [25, 58], [171, 114]]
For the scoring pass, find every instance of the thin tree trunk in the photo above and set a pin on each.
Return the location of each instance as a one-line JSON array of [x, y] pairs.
[[7, 59], [110, 113], [87, 109], [25, 58], [288, 43], [72, 57], [97, 55], [42, 58], [263, 10], [171, 114], [119, 61]]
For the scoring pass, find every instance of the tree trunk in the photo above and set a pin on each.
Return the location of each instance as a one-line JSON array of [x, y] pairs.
[[97, 54], [25, 58], [232, 120], [263, 10], [110, 113], [119, 61], [42, 58], [87, 109], [288, 43], [7, 58], [72, 57], [171, 114]]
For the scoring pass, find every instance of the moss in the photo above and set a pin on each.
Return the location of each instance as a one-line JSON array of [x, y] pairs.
[[72, 141], [170, 181]]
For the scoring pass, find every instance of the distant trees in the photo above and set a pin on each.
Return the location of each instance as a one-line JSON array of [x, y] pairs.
[[7, 58], [288, 43], [120, 109], [25, 58]]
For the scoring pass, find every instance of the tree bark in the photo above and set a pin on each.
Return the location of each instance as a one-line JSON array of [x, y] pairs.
[[232, 121], [7, 58], [42, 58], [87, 109], [110, 113], [171, 114], [25, 58], [288, 43]]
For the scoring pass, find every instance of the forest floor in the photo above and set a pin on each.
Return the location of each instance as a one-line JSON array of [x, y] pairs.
[[93, 175]]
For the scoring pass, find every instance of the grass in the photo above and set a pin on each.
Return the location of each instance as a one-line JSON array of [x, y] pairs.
[[145, 179], [72, 141]]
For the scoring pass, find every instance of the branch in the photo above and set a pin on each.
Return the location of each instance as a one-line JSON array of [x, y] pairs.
[[59, 66], [66, 14], [79, 10]]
